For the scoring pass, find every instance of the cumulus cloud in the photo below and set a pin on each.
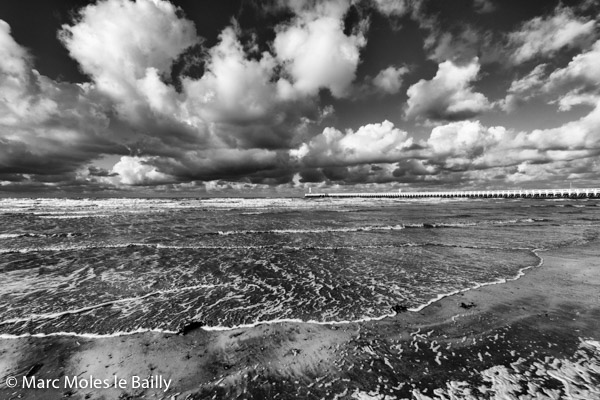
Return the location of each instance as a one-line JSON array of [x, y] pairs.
[[581, 134], [476, 152], [414, 170], [389, 80], [449, 95], [372, 143], [254, 117], [530, 82], [237, 99], [525, 88], [137, 171], [581, 72], [583, 169], [577, 83], [576, 98], [497, 151], [46, 128], [55, 128], [17, 80], [464, 138], [316, 53], [240, 101], [544, 36], [233, 88], [368, 177], [230, 115], [125, 46], [392, 7], [447, 40]]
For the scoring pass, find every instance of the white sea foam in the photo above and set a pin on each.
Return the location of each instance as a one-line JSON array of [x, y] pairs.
[[68, 208], [369, 228], [33, 317], [296, 321], [75, 216], [69, 247], [520, 273], [324, 230], [85, 335], [9, 235]]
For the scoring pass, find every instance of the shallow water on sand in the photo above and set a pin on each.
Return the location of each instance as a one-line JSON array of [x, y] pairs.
[[118, 265]]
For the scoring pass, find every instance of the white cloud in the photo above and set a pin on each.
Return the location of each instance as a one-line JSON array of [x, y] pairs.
[[580, 134], [389, 80], [464, 138], [372, 143], [545, 36], [448, 95], [233, 88], [575, 84], [46, 128], [15, 73], [138, 171], [529, 172], [582, 71], [525, 88], [316, 53], [248, 109], [453, 152], [392, 7], [127, 47], [575, 98], [469, 146], [124, 46], [19, 84], [530, 82], [578, 83]]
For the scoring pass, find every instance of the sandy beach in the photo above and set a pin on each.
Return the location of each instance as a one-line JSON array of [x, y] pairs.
[[537, 335]]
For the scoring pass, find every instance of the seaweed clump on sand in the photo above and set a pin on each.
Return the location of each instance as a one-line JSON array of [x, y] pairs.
[[399, 308], [189, 326]]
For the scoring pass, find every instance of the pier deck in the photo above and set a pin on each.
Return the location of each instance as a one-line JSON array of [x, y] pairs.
[[485, 194]]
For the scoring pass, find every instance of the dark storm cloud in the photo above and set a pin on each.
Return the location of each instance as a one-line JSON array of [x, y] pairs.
[[96, 171], [312, 175]]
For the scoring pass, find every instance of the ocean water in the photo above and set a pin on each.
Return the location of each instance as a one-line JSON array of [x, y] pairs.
[[113, 266]]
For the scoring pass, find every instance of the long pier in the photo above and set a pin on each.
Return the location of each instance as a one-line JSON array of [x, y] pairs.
[[589, 193]]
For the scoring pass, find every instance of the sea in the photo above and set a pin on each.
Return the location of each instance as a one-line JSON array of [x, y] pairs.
[[100, 267]]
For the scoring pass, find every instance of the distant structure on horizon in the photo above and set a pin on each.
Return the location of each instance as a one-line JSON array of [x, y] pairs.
[[589, 193]]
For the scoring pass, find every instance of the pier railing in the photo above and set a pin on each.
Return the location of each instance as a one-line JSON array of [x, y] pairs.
[[483, 194]]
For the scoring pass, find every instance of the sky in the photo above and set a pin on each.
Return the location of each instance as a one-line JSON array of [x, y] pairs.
[[230, 98]]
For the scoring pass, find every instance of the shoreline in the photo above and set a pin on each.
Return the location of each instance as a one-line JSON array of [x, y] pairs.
[[520, 273], [547, 313]]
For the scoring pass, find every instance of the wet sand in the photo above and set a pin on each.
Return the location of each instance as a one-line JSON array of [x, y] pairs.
[[538, 336]]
